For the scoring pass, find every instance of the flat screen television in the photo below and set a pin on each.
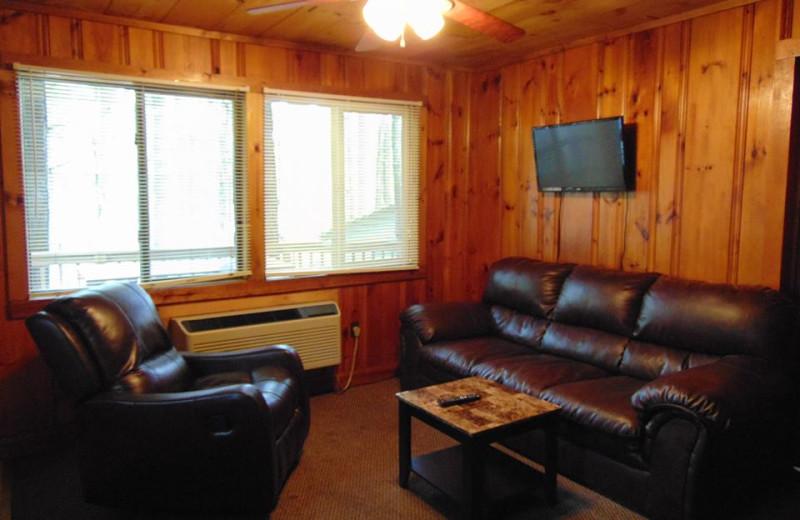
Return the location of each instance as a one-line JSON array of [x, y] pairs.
[[582, 156]]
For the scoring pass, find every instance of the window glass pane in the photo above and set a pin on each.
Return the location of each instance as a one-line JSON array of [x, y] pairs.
[[87, 178], [130, 181], [303, 189], [341, 184], [190, 169], [372, 181]]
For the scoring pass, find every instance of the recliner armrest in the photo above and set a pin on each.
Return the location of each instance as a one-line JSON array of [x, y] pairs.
[[244, 360], [448, 320], [734, 391], [181, 410]]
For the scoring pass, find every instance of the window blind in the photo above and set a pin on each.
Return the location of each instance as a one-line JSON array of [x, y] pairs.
[[341, 188], [128, 180]]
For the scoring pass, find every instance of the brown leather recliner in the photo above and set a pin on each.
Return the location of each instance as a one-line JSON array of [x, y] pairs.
[[168, 430]]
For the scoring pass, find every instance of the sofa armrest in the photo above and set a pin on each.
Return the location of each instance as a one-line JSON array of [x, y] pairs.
[[729, 393], [447, 321]]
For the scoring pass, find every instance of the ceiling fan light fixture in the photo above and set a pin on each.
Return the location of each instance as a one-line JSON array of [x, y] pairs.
[[425, 16], [386, 17]]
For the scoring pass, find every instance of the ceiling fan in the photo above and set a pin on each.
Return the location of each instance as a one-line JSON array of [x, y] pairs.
[[388, 19]]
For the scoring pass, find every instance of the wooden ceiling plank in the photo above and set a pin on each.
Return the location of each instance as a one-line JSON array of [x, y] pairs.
[[338, 26], [151, 10], [201, 14]]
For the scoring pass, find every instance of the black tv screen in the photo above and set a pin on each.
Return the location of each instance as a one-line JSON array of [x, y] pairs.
[[582, 156]]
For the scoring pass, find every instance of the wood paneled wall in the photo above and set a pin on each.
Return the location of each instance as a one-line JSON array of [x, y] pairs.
[[710, 180], [150, 50], [710, 169]]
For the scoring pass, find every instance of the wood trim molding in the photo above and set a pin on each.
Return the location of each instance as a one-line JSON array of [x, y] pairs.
[[787, 49], [20, 309]]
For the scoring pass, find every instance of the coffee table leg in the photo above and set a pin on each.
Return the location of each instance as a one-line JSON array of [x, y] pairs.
[[551, 463], [473, 479], [404, 443]]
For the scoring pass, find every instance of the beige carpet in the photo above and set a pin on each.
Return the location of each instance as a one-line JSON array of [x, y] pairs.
[[348, 471]]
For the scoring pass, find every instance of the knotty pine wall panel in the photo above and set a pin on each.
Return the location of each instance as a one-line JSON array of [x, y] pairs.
[[483, 185], [758, 250], [709, 197], [579, 85], [611, 97]]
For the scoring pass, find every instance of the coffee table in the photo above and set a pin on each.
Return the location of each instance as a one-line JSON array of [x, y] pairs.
[[473, 473]]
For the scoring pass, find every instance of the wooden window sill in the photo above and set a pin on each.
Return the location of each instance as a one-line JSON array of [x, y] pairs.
[[21, 309]]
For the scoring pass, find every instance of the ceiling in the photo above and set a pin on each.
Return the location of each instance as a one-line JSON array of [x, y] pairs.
[[339, 26]]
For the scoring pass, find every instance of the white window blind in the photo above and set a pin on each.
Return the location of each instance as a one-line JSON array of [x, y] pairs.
[[341, 188], [127, 180]]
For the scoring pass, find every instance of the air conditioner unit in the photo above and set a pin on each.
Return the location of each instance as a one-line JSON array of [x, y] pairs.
[[312, 329]]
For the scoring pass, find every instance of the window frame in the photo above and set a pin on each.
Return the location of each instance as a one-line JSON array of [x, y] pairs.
[[20, 304], [141, 87], [412, 111]]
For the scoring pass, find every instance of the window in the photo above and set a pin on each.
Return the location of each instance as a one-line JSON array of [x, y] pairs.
[[130, 181], [341, 186]]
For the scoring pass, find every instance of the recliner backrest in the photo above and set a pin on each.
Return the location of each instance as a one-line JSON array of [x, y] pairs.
[[96, 337]]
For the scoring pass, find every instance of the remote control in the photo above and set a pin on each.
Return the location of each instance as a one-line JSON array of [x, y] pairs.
[[461, 399]]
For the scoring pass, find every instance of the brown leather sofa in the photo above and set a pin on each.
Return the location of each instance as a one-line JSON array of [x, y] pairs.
[[676, 395], [168, 430]]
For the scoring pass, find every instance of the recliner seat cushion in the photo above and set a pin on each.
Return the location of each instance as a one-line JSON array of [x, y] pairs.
[[275, 383], [164, 372]]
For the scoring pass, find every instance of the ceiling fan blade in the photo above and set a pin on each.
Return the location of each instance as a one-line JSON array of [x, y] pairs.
[[369, 42], [274, 8], [484, 22]]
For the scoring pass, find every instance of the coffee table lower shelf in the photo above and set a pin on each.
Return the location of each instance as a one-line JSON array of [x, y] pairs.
[[505, 478]]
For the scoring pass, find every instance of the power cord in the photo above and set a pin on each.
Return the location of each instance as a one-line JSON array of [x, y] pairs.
[[355, 329]]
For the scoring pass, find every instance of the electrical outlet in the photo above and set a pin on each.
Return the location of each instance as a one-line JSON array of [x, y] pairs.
[[355, 329]]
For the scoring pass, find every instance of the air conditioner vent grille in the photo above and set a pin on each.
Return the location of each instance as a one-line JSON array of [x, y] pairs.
[[254, 318], [313, 330]]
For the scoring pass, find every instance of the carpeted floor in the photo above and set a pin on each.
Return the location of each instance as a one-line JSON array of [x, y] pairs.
[[348, 471]]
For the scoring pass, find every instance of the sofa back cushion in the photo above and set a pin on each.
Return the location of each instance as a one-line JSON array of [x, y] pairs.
[[717, 319], [526, 285], [649, 361], [584, 344], [602, 299], [518, 327]]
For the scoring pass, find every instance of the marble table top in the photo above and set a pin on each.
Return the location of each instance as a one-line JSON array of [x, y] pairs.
[[499, 406]]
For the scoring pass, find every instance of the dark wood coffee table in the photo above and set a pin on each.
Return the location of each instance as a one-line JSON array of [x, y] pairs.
[[475, 474]]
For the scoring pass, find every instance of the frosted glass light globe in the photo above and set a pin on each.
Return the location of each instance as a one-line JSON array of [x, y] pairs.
[[425, 17], [386, 17]]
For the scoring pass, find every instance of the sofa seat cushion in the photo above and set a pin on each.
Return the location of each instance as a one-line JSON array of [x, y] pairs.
[[599, 404], [535, 373], [275, 383], [460, 357]]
